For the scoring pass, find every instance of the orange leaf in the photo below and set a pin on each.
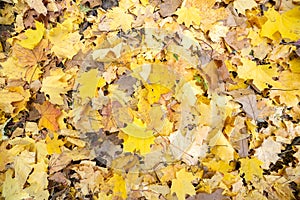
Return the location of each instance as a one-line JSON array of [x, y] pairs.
[[49, 115]]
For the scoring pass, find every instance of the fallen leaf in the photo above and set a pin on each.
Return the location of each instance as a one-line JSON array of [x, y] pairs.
[[188, 16], [183, 178], [287, 24], [167, 8], [251, 167], [7, 98], [89, 81], [119, 186], [66, 42], [262, 75], [268, 152], [248, 100], [54, 144], [38, 6], [33, 36], [242, 5], [119, 19], [49, 114]]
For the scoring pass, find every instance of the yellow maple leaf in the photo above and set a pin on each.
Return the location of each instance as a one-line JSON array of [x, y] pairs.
[[7, 98], [251, 167], [288, 92], [55, 85], [188, 16], [219, 166], [260, 74], [66, 41], [182, 185], [53, 145], [155, 91], [11, 188], [33, 36], [221, 147], [137, 137], [137, 129], [287, 24], [119, 186], [89, 81], [120, 18], [142, 145]]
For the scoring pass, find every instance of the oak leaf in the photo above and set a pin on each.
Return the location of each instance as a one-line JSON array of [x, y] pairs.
[[49, 114]]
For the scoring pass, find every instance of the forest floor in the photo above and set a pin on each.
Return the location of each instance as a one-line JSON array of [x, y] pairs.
[[141, 99]]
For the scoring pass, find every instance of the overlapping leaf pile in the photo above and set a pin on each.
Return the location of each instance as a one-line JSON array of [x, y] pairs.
[[89, 110]]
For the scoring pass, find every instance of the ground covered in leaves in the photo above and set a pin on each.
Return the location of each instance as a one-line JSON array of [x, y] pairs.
[[149, 99]]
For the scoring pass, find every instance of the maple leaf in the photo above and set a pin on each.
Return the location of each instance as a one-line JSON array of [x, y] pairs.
[[89, 81], [260, 74], [288, 90], [7, 15], [251, 167], [138, 137], [38, 6], [53, 145], [248, 100], [287, 24], [7, 98], [142, 145], [221, 147], [33, 36], [119, 186], [28, 57], [243, 5], [38, 181], [66, 43], [11, 189], [55, 85], [182, 185], [155, 91], [5, 156], [188, 16], [120, 19], [49, 115], [268, 152]]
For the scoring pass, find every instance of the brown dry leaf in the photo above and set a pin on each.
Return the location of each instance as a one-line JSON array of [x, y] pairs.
[[168, 7], [247, 98], [38, 6], [32, 57]]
